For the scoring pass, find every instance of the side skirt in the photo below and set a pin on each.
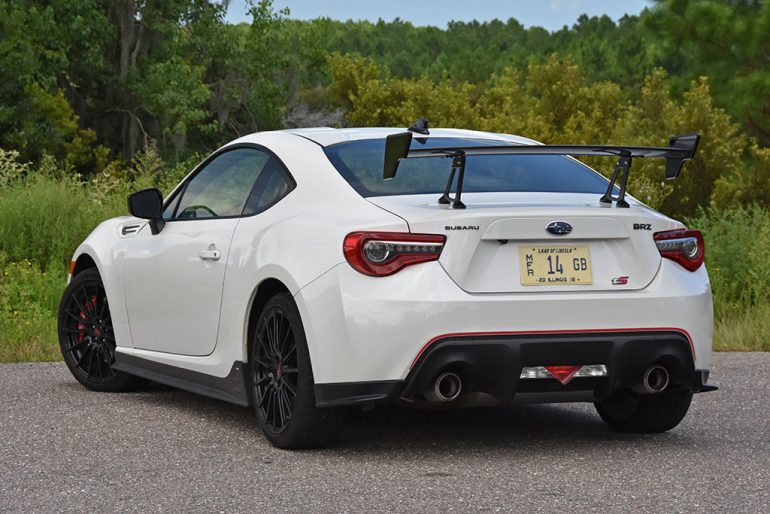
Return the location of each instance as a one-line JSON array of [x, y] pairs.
[[233, 388]]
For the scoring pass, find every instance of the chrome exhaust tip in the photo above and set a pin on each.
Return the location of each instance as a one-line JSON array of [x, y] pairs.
[[655, 380], [446, 388]]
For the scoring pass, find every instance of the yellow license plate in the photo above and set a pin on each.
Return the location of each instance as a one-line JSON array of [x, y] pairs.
[[554, 265]]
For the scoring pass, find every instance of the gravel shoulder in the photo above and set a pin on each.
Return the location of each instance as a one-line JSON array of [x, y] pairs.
[[64, 448]]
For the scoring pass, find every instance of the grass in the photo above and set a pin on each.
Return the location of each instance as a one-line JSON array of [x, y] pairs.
[[29, 297], [748, 331], [44, 214]]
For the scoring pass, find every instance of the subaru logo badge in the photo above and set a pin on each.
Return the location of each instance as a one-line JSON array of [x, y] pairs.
[[559, 228]]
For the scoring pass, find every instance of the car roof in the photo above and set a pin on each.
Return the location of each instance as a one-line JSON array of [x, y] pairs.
[[326, 136]]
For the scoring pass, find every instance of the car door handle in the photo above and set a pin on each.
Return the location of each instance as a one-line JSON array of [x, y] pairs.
[[210, 255]]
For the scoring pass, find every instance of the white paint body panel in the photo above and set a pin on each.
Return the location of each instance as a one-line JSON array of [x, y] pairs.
[[361, 328], [477, 261], [178, 310]]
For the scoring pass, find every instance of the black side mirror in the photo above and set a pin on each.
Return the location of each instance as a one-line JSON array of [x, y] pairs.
[[148, 204]]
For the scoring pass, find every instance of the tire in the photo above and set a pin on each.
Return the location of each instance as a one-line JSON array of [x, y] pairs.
[[86, 338], [644, 414], [282, 381]]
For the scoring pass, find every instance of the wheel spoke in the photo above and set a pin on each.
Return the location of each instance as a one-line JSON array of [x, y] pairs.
[[289, 388], [274, 404], [109, 360], [86, 304], [76, 318], [110, 356], [281, 414], [267, 336], [283, 335], [75, 346], [274, 342], [82, 357], [286, 341], [103, 309], [99, 363], [263, 363], [262, 399], [106, 360], [287, 406], [90, 366], [274, 333]]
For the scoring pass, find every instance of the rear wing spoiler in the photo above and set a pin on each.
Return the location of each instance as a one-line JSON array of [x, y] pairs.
[[679, 150]]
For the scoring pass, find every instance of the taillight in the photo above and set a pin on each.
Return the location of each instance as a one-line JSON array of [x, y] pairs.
[[380, 254], [681, 245]]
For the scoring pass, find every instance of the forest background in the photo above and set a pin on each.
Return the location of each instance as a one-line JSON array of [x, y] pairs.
[[102, 97]]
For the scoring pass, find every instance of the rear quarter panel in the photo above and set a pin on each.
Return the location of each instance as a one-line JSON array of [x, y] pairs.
[[298, 239]]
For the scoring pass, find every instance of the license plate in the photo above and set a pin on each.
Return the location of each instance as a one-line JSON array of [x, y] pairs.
[[554, 265]]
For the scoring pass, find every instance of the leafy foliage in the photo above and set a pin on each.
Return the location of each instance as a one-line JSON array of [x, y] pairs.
[[554, 102], [738, 243]]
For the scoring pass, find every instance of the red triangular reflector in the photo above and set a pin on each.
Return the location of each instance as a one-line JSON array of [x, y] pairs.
[[563, 373]]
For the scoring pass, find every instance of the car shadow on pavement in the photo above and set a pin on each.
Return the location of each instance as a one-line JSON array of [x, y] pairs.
[[396, 428]]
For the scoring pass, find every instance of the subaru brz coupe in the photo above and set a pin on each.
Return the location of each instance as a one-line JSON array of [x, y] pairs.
[[309, 271]]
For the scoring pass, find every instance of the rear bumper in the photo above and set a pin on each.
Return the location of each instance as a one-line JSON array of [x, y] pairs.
[[492, 364], [363, 330]]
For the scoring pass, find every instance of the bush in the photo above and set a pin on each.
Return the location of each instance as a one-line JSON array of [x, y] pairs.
[[45, 219], [737, 252], [29, 298]]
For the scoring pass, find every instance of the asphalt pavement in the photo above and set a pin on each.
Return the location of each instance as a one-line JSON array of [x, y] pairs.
[[64, 448]]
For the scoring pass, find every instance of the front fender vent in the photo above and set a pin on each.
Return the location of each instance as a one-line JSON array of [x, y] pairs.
[[127, 230]]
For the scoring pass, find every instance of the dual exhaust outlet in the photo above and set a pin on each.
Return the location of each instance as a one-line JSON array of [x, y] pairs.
[[446, 388], [449, 385], [655, 380]]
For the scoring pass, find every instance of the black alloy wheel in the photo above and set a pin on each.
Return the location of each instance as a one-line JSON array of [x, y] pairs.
[[282, 381], [86, 336], [275, 370]]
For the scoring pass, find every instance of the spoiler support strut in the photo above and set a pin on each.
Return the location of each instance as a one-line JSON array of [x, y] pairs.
[[458, 164], [624, 166]]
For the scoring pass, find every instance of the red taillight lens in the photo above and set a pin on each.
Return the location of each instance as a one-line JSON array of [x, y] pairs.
[[683, 246], [380, 254]]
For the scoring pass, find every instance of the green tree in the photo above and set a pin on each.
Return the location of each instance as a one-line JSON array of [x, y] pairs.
[[726, 40]]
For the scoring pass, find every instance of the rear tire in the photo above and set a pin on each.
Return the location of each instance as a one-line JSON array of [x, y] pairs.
[[282, 381], [86, 338], [644, 414]]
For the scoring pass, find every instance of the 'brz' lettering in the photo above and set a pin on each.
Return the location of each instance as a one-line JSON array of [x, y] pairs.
[[642, 226]]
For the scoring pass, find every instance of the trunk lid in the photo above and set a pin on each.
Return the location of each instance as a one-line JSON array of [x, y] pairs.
[[499, 243]]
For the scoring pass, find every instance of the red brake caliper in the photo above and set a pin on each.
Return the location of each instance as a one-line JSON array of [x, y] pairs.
[[82, 326]]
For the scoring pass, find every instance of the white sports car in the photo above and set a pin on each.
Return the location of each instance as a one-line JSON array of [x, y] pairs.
[[308, 271]]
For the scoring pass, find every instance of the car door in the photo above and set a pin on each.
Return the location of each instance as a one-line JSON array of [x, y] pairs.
[[173, 280]]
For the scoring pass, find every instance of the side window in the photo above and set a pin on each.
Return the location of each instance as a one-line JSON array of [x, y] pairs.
[[273, 184], [222, 187]]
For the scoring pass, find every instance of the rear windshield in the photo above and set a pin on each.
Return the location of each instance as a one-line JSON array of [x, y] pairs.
[[360, 163]]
